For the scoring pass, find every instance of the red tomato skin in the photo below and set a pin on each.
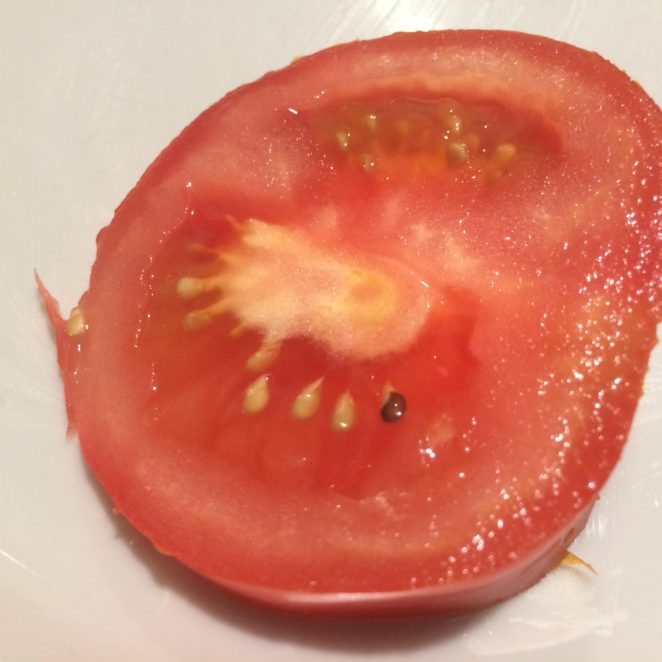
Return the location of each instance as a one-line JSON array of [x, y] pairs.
[[157, 208], [452, 600]]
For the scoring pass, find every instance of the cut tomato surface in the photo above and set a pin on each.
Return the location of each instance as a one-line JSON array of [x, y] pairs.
[[369, 335]]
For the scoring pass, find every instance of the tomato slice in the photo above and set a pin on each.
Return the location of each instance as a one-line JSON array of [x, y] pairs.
[[369, 335]]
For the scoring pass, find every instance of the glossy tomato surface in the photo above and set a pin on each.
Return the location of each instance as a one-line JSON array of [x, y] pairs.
[[368, 336]]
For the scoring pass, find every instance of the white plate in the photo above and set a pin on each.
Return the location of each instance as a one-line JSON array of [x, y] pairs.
[[91, 92]]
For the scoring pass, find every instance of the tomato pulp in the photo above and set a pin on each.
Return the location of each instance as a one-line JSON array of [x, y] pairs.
[[369, 335]]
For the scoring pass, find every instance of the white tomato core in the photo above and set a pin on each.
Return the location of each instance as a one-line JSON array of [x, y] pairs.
[[279, 281]]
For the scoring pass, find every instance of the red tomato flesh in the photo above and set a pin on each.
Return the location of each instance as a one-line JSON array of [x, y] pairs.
[[369, 335]]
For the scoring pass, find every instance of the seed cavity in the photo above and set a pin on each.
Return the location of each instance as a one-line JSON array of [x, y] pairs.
[[76, 323], [394, 407], [344, 414], [256, 397], [264, 357], [307, 403], [354, 311], [427, 137]]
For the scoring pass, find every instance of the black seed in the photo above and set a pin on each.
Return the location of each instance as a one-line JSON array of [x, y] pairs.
[[394, 407]]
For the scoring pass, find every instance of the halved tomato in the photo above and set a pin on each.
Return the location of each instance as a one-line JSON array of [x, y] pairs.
[[369, 335]]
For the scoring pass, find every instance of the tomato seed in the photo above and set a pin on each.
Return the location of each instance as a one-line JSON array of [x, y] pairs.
[[189, 288], [454, 124], [198, 318], [308, 401], [344, 414], [76, 323], [457, 153], [503, 154], [343, 140], [394, 407], [264, 357], [257, 395]]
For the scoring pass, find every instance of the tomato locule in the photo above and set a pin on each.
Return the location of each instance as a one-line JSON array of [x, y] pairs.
[[368, 336]]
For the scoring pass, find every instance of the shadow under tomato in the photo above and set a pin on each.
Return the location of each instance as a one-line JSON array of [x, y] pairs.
[[351, 635]]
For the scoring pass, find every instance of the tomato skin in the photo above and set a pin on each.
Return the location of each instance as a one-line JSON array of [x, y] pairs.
[[452, 600], [318, 545]]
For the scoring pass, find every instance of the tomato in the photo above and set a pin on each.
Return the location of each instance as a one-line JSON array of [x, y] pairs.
[[369, 335]]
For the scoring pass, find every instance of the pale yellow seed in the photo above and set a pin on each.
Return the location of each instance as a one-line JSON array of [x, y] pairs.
[[238, 330], [202, 316], [196, 319], [472, 142], [256, 397], [371, 122], [264, 357], [229, 259], [344, 415], [189, 287], [457, 153], [504, 153], [342, 139], [440, 430], [76, 324], [200, 249], [236, 225], [308, 401], [454, 124], [368, 161]]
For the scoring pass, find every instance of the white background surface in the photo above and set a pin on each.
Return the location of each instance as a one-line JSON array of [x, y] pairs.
[[91, 91]]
